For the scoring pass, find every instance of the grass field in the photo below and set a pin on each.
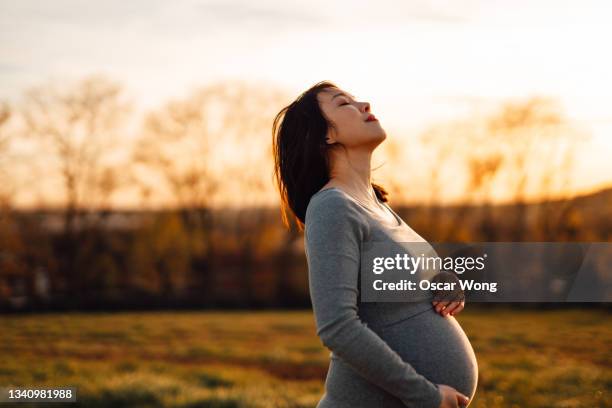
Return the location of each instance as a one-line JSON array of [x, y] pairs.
[[274, 359]]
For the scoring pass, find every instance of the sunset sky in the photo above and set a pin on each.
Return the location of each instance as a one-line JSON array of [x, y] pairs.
[[416, 62]]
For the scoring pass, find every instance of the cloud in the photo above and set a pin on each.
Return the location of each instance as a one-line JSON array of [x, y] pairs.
[[8, 68], [79, 13], [236, 13]]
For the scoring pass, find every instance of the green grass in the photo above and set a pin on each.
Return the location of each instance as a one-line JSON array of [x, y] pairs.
[[274, 359]]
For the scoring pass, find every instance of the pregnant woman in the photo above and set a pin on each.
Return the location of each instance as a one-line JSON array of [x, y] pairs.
[[383, 354]]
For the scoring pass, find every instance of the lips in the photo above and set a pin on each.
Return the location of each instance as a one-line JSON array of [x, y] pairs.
[[371, 118]]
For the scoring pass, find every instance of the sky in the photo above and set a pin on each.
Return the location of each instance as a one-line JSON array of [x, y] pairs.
[[416, 62]]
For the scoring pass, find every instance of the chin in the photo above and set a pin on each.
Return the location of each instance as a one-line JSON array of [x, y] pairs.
[[382, 135], [378, 139]]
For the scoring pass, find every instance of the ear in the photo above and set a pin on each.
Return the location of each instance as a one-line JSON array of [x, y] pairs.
[[330, 138]]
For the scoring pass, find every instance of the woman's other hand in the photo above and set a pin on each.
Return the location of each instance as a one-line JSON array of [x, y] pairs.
[[451, 398]]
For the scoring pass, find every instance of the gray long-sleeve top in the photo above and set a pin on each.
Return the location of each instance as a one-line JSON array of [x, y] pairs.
[[335, 228]]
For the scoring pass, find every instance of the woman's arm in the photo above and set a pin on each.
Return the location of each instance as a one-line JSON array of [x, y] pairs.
[[334, 231]]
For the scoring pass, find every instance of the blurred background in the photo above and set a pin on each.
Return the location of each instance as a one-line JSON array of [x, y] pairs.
[[137, 202]]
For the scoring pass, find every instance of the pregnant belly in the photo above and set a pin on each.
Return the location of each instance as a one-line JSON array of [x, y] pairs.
[[437, 347]]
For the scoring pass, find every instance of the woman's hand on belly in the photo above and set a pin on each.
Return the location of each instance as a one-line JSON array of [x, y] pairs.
[[451, 398], [449, 298], [448, 307]]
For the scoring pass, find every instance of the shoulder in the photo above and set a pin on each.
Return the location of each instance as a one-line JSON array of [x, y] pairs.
[[332, 208], [329, 201]]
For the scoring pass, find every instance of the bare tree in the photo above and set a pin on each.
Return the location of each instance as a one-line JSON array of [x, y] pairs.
[[210, 147], [533, 135], [78, 125], [517, 146], [5, 116]]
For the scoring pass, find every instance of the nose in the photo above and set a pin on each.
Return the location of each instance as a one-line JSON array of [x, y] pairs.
[[366, 106]]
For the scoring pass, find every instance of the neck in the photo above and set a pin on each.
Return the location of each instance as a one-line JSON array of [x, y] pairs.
[[351, 170]]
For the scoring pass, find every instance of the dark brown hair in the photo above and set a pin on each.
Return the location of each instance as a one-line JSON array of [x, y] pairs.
[[301, 161]]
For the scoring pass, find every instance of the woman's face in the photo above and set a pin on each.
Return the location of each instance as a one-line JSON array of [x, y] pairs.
[[350, 118]]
